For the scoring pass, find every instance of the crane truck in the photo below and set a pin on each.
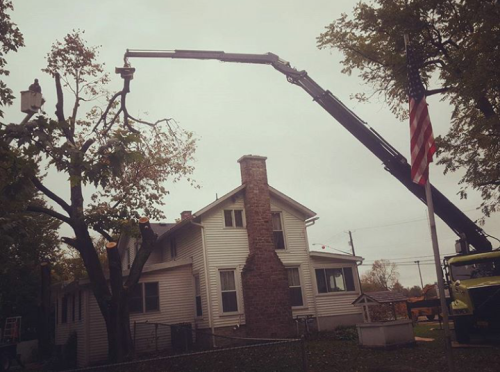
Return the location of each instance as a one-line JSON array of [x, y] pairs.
[[473, 297]]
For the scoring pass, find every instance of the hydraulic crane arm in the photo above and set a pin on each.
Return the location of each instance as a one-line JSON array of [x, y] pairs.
[[393, 161]]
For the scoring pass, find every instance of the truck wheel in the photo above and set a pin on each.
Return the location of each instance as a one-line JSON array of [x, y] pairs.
[[462, 330], [431, 317], [4, 362]]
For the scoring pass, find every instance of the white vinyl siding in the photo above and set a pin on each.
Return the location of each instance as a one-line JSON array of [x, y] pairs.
[[175, 286], [296, 253], [63, 331], [336, 303], [227, 248]]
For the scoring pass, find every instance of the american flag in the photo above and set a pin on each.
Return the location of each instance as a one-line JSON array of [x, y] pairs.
[[422, 144]]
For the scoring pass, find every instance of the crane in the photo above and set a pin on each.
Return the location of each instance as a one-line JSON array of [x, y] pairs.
[[395, 163]]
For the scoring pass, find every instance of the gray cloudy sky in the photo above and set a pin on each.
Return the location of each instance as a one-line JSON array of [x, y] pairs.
[[237, 109]]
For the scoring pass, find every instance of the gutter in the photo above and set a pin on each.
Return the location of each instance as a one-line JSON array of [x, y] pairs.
[[312, 274]]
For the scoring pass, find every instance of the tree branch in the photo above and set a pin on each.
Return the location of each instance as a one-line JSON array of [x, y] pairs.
[[436, 91], [87, 145], [71, 242], [434, 62], [104, 233], [38, 184], [105, 113], [148, 244], [60, 109], [50, 212], [490, 183]]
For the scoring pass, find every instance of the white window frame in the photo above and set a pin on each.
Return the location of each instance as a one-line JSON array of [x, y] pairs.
[[233, 219], [282, 220], [340, 293], [304, 299], [237, 284]]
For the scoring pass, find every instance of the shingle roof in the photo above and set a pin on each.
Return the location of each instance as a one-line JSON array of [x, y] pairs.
[[161, 228], [381, 297]]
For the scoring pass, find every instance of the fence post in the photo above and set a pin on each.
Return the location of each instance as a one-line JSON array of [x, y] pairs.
[[304, 356]]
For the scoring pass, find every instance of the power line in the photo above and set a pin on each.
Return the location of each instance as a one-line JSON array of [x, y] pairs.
[[400, 222]]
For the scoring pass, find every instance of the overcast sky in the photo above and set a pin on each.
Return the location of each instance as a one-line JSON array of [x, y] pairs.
[[237, 109]]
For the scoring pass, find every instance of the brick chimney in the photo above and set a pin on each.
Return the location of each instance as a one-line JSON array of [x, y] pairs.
[[186, 215], [264, 278]]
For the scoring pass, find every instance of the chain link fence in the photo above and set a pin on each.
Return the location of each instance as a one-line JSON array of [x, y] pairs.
[[171, 348]]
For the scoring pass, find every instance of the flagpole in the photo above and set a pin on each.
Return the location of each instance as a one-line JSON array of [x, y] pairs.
[[439, 273]]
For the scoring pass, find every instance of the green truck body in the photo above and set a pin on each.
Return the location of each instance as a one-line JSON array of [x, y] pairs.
[[474, 284]]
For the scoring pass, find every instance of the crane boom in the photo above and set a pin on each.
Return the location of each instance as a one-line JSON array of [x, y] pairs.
[[393, 161]]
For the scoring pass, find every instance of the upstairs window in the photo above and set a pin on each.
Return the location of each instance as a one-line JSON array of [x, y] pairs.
[[335, 280], [228, 291], [295, 287], [233, 218], [173, 248], [279, 236]]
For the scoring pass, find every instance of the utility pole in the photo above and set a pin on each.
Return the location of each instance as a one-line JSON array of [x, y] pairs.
[[351, 243], [420, 273]]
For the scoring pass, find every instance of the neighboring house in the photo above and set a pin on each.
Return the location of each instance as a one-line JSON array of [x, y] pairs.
[[240, 266]]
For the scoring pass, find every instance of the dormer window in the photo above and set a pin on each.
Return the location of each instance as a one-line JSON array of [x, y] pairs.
[[233, 218]]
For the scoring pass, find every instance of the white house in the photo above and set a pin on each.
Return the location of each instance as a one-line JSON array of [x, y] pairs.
[[241, 265]]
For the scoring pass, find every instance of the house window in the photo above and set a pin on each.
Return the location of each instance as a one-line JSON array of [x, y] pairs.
[[64, 309], [197, 290], [279, 236], [80, 305], [145, 297], [173, 248], [228, 291], [233, 218], [295, 287], [135, 299], [73, 308], [152, 296], [335, 280]]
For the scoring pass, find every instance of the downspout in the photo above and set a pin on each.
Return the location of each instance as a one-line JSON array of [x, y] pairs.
[[207, 286], [311, 270]]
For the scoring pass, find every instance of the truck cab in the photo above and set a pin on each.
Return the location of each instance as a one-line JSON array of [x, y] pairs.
[[474, 283]]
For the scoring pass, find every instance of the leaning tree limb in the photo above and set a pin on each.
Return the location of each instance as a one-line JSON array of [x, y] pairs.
[[148, 244]]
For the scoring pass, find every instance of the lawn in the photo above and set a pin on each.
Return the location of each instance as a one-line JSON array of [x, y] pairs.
[[327, 353]]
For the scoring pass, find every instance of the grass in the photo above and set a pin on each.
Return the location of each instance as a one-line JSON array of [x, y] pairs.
[[330, 354]]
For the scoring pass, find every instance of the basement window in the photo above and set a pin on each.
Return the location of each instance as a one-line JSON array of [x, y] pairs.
[[233, 218], [228, 291], [335, 280], [278, 233]]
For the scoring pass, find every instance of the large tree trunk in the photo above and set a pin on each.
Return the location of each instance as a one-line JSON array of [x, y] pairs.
[[119, 337]]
